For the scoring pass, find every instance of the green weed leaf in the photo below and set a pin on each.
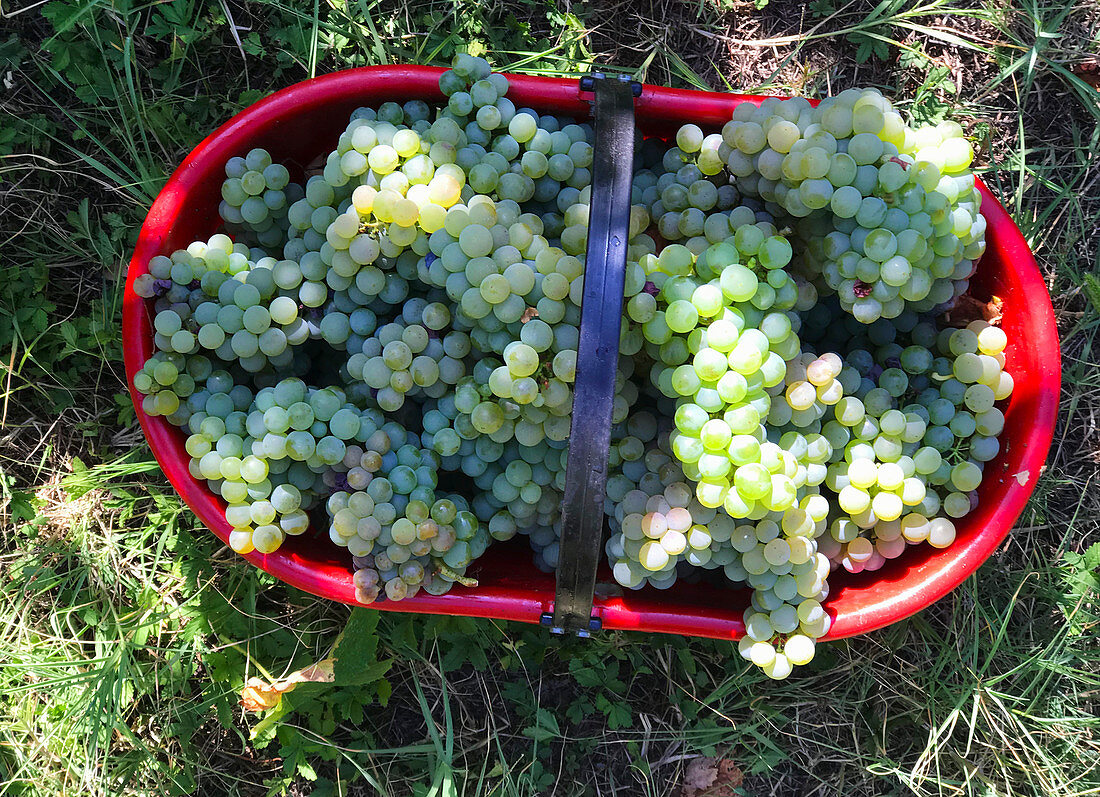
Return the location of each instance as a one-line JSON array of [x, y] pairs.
[[544, 728], [1092, 290], [23, 506]]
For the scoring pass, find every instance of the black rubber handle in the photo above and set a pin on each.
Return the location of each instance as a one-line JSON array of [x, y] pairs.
[[597, 355]]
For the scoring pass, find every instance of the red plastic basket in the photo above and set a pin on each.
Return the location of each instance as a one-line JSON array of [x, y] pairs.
[[299, 122]]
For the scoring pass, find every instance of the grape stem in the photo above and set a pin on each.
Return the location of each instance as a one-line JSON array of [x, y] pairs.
[[465, 581]]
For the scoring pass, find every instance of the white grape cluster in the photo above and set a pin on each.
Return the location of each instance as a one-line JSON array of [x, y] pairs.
[[656, 520], [889, 214], [256, 197], [660, 531], [756, 414], [395, 339], [913, 438]]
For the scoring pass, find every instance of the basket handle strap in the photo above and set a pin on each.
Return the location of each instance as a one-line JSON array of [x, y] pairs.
[[597, 355]]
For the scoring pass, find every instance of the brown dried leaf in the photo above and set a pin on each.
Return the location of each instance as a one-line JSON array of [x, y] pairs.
[[730, 774], [258, 695], [1088, 71], [528, 314], [711, 777], [700, 774], [968, 309]]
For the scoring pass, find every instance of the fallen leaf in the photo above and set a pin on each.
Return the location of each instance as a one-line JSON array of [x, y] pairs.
[[1022, 477], [259, 695], [711, 777], [700, 774], [968, 309], [1088, 71]]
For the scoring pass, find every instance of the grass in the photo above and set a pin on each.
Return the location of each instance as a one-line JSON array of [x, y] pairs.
[[127, 634]]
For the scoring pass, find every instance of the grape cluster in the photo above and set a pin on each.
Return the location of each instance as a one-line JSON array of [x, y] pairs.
[[658, 522], [889, 215], [420, 216], [915, 435], [401, 535], [757, 410], [256, 197], [409, 360], [388, 350]]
